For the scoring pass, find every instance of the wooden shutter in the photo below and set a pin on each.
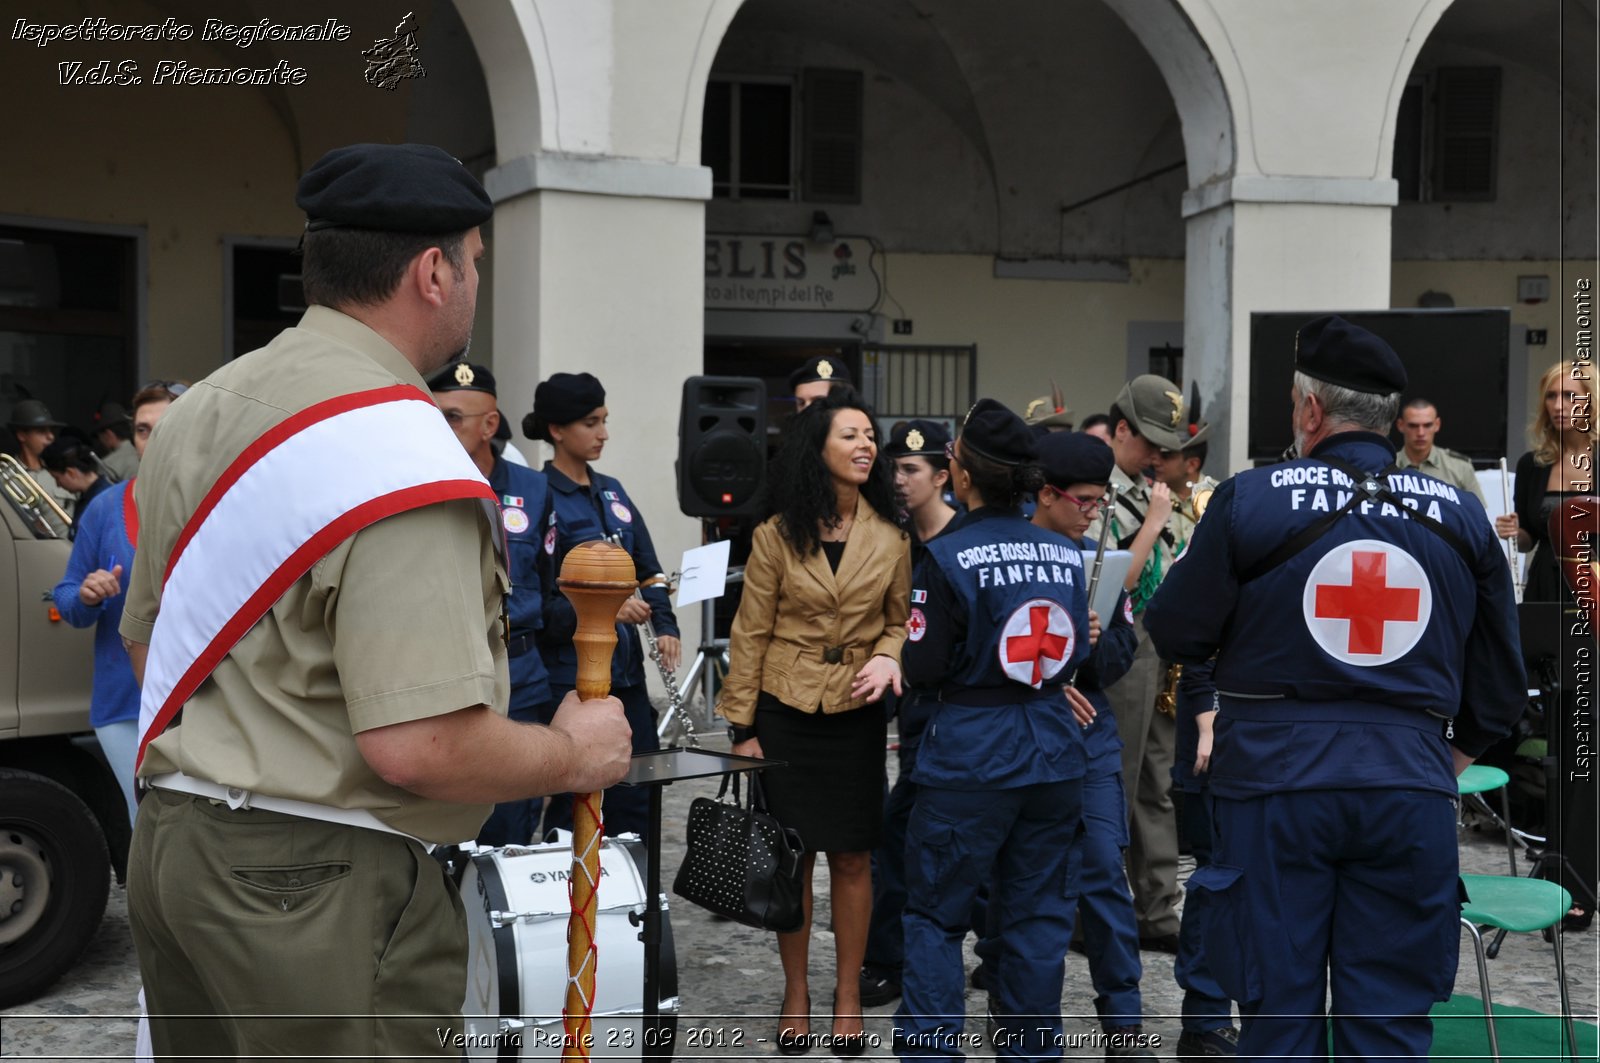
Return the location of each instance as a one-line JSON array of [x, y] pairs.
[[831, 148], [1466, 133]]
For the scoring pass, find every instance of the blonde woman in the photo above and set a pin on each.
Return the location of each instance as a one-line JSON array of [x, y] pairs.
[[1560, 466]]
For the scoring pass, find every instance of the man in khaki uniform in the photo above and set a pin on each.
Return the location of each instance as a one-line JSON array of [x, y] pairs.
[[1418, 423], [113, 437], [35, 429], [369, 699], [1147, 418]]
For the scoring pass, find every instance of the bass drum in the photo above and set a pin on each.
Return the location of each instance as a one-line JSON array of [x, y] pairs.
[[517, 909]]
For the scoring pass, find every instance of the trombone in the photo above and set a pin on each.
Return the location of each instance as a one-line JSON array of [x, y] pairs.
[[30, 500]]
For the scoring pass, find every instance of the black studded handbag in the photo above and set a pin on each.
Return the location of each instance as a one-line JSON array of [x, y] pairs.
[[742, 863]]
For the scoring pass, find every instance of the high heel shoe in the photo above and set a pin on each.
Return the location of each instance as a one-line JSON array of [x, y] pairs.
[[854, 1044], [795, 1044]]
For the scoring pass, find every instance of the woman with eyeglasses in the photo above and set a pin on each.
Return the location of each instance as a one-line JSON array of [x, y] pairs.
[[999, 625], [814, 647], [570, 414], [92, 592], [1077, 471]]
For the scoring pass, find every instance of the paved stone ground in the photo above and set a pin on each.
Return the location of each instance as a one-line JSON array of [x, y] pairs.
[[730, 981]]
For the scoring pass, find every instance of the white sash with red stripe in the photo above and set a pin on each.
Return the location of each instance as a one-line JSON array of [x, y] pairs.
[[306, 485]]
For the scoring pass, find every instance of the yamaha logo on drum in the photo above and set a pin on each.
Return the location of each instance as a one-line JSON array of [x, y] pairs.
[[559, 876]]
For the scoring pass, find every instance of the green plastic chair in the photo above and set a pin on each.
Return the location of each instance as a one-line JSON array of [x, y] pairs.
[[1523, 906], [1479, 779]]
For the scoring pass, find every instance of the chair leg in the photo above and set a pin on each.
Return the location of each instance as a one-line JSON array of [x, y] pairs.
[[1505, 823], [1483, 983], [1561, 980]]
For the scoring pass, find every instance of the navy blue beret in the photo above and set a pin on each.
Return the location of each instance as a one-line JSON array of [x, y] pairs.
[[459, 376], [917, 438], [823, 367], [992, 431], [562, 399], [400, 188], [1332, 349], [1075, 458]]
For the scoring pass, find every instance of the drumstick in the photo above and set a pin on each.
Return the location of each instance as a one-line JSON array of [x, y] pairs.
[[597, 577]]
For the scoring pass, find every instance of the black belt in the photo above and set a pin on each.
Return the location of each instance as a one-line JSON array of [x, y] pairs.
[[988, 697], [517, 645]]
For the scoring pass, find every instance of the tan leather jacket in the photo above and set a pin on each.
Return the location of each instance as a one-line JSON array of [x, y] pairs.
[[804, 631]]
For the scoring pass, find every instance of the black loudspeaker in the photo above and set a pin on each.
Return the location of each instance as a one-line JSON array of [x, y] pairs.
[[722, 446]]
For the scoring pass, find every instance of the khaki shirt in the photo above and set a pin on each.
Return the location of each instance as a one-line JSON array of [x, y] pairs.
[[1446, 465], [124, 461], [399, 622], [1125, 525]]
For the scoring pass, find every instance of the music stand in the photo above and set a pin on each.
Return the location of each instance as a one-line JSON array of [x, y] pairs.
[[1542, 625], [657, 769]]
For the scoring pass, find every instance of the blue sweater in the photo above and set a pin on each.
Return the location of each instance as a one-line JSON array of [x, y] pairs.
[[102, 542]]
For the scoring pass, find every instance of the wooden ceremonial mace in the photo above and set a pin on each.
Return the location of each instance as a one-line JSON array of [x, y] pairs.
[[597, 577]]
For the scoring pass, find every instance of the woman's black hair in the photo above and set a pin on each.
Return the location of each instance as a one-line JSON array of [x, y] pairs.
[[68, 453], [800, 489], [1000, 486]]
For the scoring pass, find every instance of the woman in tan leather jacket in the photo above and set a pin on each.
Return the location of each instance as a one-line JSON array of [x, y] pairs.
[[815, 645]]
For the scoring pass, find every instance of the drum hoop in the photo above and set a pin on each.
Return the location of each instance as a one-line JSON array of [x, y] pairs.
[[505, 944]]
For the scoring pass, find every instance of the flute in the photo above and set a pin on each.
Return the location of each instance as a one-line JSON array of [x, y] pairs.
[[1105, 530], [1511, 544]]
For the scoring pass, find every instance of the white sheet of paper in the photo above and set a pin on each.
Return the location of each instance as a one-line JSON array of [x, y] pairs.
[[704, 573]]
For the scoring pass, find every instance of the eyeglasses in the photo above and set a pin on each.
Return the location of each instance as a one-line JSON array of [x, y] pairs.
[[950, 451], [1085, 505], [171, 387], [457, 418]]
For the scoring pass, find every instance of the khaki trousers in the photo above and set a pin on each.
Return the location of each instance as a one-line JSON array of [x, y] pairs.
[[1148, 739], [263, 935]]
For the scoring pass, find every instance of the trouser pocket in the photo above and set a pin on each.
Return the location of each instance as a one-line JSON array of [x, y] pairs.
[[1215, 897]]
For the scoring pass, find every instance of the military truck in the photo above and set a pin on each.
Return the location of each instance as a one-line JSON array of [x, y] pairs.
[[63, 822]]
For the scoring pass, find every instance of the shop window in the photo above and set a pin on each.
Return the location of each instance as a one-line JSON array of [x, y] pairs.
[[68, 320]]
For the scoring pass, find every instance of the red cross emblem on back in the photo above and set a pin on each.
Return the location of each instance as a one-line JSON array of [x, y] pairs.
[[1367, 602], [1036, 642]]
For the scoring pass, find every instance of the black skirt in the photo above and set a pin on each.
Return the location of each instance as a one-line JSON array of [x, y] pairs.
[[831, 792]]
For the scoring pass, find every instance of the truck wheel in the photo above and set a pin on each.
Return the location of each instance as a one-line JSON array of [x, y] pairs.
[[55, 875]]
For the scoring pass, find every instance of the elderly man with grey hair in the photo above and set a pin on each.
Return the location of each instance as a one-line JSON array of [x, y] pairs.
[[1365, 636]]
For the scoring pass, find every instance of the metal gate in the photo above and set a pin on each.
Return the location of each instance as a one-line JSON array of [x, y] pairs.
[[902, 382]]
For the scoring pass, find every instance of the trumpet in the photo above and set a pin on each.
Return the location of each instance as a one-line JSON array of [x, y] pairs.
[[32, 502], [1194, 507]]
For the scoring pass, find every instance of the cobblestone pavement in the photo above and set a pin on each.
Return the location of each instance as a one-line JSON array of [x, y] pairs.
[[730, 982]]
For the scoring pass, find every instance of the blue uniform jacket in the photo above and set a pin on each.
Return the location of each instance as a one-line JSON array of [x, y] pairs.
[[1350, 677], [1005, 623], [1110, 661], [580, 514], [524, 496]]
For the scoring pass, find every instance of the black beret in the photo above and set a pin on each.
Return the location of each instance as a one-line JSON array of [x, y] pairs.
[[822, 367], [917, 437], [459, 376], [67, 452], [1075, 458], [1332, 349], [992, 431], [399, 188], [564, 398]]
